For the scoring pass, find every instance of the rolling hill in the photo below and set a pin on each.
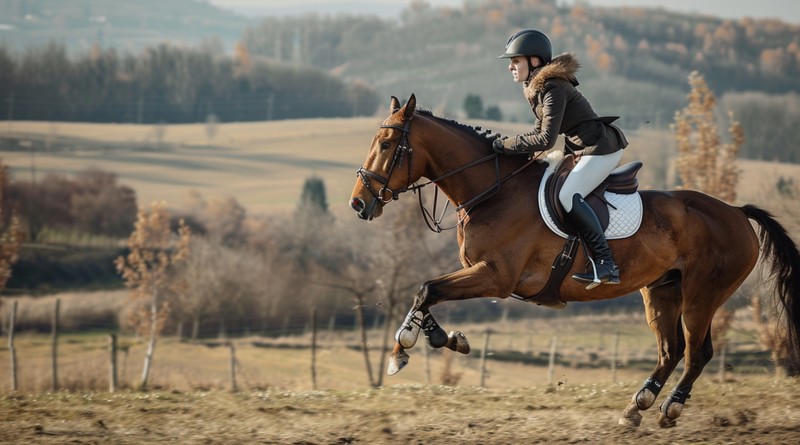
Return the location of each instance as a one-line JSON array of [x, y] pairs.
[[264, 164]]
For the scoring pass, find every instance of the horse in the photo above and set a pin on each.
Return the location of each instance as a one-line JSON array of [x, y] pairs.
[[688, 256]]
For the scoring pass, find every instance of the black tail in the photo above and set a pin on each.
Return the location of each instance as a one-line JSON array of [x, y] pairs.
[[782, 251]]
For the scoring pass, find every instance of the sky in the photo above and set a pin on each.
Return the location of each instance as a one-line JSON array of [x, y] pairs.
[[785, 10]]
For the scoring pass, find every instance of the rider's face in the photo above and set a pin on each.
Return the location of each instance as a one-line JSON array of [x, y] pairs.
[[519, 67]]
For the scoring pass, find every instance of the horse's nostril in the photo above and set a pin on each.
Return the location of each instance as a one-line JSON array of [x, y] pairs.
[[357, 204]]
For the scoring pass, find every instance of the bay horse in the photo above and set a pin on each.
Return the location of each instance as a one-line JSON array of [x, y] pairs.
[[689, 255]]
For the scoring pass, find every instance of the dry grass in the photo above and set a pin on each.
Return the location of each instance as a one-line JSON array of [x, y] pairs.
[[192, 402], [264, 164], [585, 348], [752, 411]]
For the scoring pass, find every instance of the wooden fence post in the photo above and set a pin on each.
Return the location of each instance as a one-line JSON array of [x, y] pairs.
[[11, 350], [614, 358], [484, 353], [332, 324], [551, 365], [314, 348], [112, 379], [427, 355], [722, 360], [232, 347], [54, 354]]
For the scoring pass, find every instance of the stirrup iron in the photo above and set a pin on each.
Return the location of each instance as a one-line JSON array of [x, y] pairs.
[[595, 280]]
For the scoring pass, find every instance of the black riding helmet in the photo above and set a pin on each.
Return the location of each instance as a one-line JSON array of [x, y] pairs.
[[529, 42]]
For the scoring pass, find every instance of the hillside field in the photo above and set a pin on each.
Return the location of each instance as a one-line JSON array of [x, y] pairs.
[[263, 165]]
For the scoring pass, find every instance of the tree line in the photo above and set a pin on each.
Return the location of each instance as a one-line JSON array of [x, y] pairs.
[[170, 84], [634, 61]]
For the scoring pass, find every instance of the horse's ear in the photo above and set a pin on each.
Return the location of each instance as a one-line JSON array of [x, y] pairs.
[[394, 105], [411, 105]]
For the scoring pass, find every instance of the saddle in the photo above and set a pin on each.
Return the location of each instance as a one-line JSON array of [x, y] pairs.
[[621, 181]]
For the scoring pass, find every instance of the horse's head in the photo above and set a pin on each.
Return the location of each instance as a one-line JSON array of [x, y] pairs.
[[389, 168]]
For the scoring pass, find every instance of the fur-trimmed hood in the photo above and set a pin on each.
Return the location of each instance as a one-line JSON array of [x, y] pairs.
[[563, 67]]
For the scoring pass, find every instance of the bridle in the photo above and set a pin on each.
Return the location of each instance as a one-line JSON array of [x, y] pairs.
[[384, 195], [397, 162]]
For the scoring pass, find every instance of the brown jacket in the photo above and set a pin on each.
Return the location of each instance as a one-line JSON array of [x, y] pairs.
[[561, 109]]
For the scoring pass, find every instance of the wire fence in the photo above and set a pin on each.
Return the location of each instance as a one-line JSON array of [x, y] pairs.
[[319, 355]]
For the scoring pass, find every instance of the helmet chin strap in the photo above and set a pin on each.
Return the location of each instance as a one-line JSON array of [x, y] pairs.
[[530, 67]]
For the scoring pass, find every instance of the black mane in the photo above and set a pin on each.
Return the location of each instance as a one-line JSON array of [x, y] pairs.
[[475, 132]]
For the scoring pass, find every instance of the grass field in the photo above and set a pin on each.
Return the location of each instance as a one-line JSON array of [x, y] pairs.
[[264, 164], [191, 399]]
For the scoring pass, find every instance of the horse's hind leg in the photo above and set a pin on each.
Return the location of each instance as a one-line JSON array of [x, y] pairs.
[[662, 308], [699, 350]]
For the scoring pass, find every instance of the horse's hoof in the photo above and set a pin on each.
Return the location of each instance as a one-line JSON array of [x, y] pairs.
[[630, 417], [408, 333], [397, 361], [666, 422], [457, 342], [632, 421]]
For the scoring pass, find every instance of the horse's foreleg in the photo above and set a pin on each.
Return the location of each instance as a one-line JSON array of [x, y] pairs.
[[435, 335], [417, 321], [476, 281], [437, 338], [406, 336]]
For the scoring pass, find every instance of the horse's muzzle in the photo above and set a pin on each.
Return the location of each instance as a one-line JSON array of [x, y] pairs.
[[360, 207]]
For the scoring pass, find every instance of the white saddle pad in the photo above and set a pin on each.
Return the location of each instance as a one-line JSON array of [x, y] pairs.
[[623, 222]]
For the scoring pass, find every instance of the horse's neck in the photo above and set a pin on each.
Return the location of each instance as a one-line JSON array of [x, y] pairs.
[[452, 152]]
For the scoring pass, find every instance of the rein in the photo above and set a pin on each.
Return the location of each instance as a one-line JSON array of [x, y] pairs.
[[433, 223]]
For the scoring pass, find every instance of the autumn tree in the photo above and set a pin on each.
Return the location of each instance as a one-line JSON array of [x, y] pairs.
[[11, 233], [99, 205], [704, 162], [149, 271], [90, 202]]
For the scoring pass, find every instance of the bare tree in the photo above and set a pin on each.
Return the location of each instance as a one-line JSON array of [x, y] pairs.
[[200, 274], [401, 256]]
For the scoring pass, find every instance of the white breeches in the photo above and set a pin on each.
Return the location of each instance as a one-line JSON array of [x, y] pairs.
[[588, 173]]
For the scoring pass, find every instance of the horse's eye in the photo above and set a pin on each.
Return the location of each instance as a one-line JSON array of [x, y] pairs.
[[385, 145]]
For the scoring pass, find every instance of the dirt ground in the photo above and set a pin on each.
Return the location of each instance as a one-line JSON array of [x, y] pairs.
[[752, 410]]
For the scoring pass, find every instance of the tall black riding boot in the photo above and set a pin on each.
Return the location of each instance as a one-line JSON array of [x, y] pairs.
[[584, 219]]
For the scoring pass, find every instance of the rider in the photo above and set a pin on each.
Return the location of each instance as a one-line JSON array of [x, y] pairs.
[[549, 86]]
